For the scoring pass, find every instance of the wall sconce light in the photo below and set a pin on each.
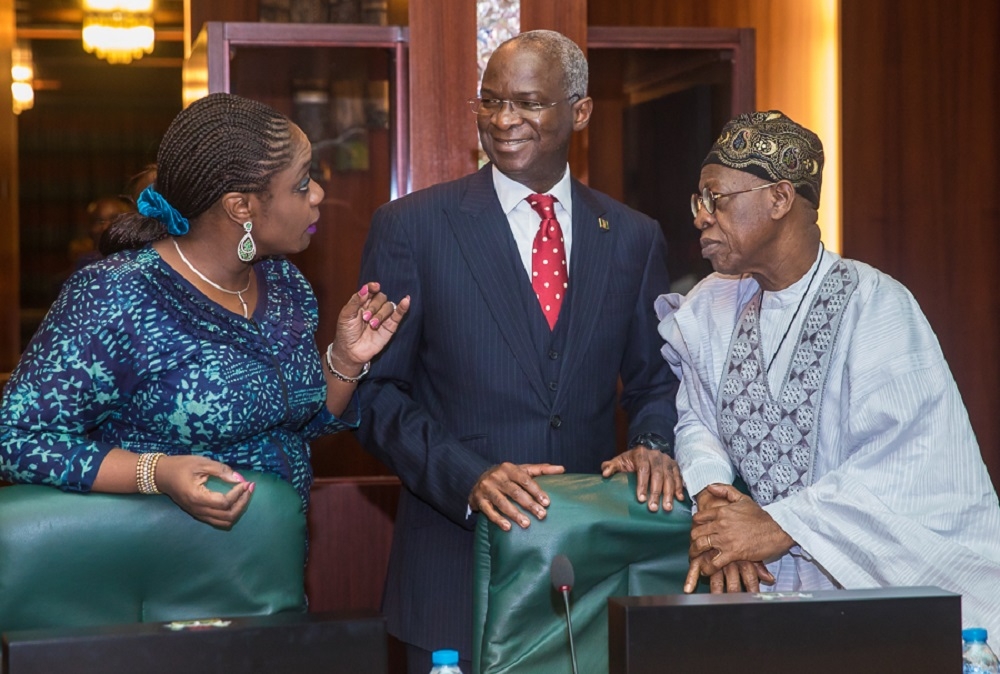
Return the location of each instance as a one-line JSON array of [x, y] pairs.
[[22, 73], [118, 30]]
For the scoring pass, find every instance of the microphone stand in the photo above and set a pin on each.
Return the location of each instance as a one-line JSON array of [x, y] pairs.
[[569, 627]]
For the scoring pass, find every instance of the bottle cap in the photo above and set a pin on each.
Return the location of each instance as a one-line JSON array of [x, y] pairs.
[[974, 634], [446, 657]]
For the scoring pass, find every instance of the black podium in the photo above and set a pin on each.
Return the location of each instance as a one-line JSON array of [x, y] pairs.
[[879, 630], [305, 643]]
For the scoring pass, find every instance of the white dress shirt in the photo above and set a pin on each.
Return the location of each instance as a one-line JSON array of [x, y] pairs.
[[524, 221]]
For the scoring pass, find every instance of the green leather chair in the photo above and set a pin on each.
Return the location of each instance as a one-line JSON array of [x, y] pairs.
[[617, 548], [73, 560]]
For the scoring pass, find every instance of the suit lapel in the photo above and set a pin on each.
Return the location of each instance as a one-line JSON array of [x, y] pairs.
[[483, 234], [593, 247]]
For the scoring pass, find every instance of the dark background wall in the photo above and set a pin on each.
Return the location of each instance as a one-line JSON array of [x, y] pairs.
[[921, 184]]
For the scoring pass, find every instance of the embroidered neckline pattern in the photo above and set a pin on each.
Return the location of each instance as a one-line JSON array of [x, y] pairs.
[[772, 439]]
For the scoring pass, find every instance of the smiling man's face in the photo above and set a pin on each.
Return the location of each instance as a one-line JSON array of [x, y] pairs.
[[532, 152]]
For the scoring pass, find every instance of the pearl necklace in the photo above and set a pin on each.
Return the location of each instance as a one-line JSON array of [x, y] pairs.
[[238, 293]]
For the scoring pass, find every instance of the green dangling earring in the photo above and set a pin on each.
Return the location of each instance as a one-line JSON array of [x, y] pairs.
[[247, 248]]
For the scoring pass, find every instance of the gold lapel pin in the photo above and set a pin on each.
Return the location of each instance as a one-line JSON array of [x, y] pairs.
[[603, 224]]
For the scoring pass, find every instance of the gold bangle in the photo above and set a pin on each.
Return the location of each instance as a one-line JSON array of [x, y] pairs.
[[139, 470], [145, 472]]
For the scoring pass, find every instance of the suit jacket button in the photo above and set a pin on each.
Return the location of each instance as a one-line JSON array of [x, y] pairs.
[[553, 386], [553, 355], [555, 421]]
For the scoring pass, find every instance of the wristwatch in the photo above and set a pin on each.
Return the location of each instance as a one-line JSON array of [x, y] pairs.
[[653, 441]]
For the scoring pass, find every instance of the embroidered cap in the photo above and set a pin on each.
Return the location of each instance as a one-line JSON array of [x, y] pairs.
[[771, 146]]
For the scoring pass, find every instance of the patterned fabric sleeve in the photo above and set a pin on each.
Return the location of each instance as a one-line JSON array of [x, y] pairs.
[[325, 423], [688, 328], [75, 371], [300, 291]]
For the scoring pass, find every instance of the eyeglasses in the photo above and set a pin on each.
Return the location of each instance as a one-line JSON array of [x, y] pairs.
[[707, 198], [487, 107]]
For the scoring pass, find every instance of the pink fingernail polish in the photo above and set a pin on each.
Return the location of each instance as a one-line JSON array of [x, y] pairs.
[[367, 315], [253, 485], [374, 323], [239, 478], [363, 291]]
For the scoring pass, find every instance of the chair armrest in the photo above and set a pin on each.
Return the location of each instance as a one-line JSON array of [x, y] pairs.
[[69, 559], [617, 548]]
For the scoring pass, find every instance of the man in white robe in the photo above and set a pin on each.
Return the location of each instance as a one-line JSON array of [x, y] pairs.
[[819, 382]]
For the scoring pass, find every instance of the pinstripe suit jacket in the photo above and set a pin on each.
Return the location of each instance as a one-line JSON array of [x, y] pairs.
[[464, 385]]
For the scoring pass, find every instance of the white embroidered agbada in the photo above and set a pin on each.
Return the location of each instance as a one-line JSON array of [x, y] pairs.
[[892, 490]]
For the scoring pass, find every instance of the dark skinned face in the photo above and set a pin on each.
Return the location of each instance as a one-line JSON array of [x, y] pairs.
[[532, 152]]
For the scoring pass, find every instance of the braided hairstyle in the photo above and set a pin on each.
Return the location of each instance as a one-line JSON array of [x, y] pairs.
[[219, 144]]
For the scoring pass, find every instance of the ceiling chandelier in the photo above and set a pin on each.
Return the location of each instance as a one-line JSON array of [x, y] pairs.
[[118, 31], [22, 74]]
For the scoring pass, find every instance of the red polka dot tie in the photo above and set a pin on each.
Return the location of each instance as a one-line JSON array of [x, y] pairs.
[[549, 276]]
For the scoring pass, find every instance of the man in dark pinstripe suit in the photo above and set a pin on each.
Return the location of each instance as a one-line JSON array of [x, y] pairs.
[[480, 391]]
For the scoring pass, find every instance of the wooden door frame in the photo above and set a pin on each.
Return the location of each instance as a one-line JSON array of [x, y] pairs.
[[739, 42]]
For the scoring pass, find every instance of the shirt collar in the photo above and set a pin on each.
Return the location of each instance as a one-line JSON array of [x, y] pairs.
[[511, 193]]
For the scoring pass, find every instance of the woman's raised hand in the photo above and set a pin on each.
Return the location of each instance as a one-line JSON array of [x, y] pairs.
[[366, 324]]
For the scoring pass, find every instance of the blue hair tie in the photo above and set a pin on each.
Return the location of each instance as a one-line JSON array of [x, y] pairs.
[[152, 204]]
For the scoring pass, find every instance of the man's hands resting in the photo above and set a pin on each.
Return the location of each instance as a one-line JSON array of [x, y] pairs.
[[501, 487], [505, 492], [730, 535]]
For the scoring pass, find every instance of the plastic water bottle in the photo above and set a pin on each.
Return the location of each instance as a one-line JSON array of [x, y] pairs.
[[977, 657], [446, 662]]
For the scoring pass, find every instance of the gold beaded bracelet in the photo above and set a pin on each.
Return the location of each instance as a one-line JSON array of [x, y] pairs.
[[145, 472]]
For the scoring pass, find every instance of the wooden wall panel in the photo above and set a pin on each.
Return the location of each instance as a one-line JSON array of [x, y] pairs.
[[787, 35], [350, 533], [569, 17], [443, 137], [796, 67], [921, 92], [10, 288]]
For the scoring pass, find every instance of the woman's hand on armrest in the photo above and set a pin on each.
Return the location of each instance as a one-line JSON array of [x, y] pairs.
[[183, 479]]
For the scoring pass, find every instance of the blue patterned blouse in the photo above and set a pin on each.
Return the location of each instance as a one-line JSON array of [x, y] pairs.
[[131, 355]]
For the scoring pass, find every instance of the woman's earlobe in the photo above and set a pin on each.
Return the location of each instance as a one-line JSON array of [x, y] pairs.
[[237, 206]]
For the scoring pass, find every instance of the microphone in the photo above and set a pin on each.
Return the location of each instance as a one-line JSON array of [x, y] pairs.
[[562, 582]]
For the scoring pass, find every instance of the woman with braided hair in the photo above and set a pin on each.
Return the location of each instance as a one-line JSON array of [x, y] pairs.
[[193, 354]]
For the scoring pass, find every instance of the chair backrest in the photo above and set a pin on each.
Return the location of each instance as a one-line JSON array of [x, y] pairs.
[[70, 560], [617, 548]]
